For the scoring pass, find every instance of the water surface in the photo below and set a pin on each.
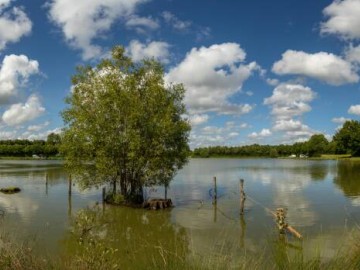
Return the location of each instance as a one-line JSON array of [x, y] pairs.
[[322, 198]]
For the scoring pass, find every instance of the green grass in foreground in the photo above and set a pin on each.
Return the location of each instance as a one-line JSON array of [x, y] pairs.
[[18, 257]]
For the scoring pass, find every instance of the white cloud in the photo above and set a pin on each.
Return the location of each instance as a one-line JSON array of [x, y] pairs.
[[272, 82], [343, 19], [340, 120], [155, 49], [175, 21], [40, 135], [289, 100], [83, 21], [211, 75], [20, 113], [38, 127], [263, 133], [354, 109], [353, 54], [14, 73], [289, 125], [14, 24], [198, 119], [323, 66], [140, 23], [7, 135]]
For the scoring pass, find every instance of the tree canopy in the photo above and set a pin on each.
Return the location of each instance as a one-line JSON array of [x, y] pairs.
[[347, 139], [124, 125]]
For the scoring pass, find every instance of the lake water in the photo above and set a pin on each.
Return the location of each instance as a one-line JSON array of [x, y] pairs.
[[322, 198]]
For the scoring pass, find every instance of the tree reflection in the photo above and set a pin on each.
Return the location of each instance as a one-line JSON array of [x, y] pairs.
[[126, 238], [347, 178]]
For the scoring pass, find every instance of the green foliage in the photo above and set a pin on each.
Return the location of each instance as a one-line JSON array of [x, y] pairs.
[[27, 148], [53, 139], [115, 198], [347, 139], [124, 125], [317, 145]]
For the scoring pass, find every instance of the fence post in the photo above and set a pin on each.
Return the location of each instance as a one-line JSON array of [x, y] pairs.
[[242, 197], [214, 192], [70, 184]]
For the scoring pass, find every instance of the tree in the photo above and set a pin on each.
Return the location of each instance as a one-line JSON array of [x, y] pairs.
[[53, 139], [124, 125], [347, 139], [317, 145]]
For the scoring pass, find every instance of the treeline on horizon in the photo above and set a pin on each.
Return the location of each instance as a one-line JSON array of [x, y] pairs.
[[29, 148], [257, 150], [345, 141]]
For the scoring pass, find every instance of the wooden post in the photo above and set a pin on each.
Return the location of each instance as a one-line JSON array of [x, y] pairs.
[[70, 184], [69, 204], [214, 192], [242, 197], [280, 216], [46, 183], [243, 229], [103, 194]]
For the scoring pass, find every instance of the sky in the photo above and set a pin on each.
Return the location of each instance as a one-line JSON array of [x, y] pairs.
[[255, 71]]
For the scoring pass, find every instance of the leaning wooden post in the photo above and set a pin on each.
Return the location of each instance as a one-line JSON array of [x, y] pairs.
[[70, 184], [242, 197], [214, 192], [280, 216]]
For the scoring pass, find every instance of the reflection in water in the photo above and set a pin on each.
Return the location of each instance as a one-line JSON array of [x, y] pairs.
[[135, 238], [25, 207], [194, 227], [348, 178]]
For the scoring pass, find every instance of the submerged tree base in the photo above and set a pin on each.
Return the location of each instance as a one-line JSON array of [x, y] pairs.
[[10, 190], [156, 203]]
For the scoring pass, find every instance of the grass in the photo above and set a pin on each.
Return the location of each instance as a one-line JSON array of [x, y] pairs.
[[18, 257]]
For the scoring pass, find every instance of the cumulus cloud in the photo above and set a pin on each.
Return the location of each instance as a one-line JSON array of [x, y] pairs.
[[141, 23], [198, 119], [175, 22], [353, 54], [340, 120], [82, 21], [7, 135], [272, 82], [211, 76], [20, 113], [354, 109], [38, 127], [342, 19], [40, 135], [322, 66], [14, 72], [14, 24], [155, 49], [263, 133], [289, 100]]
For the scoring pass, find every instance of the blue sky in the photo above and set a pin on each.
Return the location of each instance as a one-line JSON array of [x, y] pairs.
[[256, 71]]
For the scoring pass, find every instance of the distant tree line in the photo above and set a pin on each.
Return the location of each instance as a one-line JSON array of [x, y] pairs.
[[28, 148], [345, 141]]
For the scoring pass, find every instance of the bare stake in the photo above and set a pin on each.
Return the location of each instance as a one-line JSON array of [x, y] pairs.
[[70, 184], [215, 192], [242, 197]]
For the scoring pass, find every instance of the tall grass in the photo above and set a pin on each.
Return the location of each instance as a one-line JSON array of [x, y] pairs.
[[21, 256]]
